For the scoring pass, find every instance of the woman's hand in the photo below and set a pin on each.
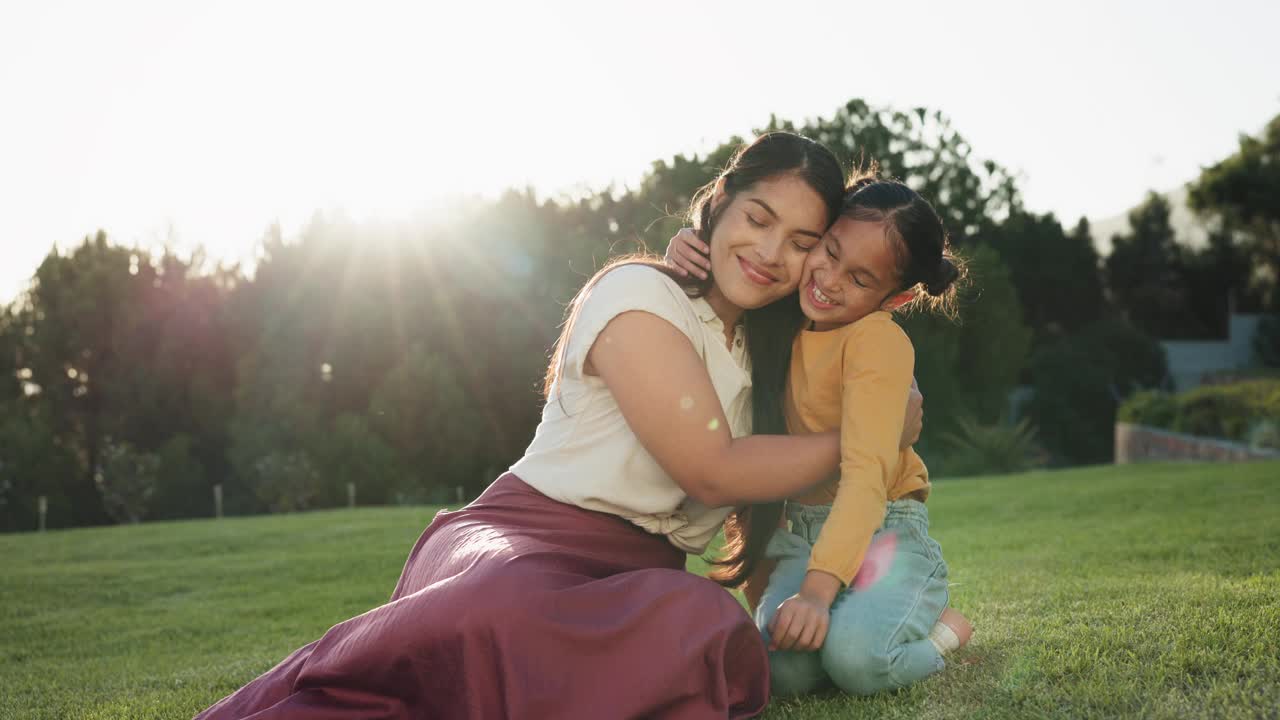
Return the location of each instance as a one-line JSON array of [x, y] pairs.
[[915, 417], [687, 254]]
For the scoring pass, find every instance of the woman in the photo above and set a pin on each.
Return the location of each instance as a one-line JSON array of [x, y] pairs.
[[560, 592]]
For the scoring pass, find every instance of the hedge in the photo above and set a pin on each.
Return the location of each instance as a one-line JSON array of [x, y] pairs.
[[1246, 412]]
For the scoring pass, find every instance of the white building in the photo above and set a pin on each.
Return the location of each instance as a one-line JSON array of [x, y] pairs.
[[1190, 361]]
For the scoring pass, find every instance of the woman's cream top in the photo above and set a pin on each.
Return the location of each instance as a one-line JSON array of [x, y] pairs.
[[585, 454]]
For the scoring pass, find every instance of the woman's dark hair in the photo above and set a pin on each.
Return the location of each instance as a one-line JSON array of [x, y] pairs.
[[925, 266], [770, 330]]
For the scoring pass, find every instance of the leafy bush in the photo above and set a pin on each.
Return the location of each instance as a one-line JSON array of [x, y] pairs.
[[127, 479], [1149, 407], [286, 482], [183, 490], [1265, 433], [979, 449], [1244, 412], [351, 452]]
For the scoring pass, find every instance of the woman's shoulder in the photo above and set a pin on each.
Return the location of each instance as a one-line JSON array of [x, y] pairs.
[[631, 287], [636, 277], [638, 286]]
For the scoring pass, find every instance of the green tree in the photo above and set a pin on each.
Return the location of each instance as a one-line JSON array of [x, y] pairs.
[[351, 452], [1212, 277], [75, 321], [1241, 192], [1143, 273], [127, 480], [1057, 275], [968, 368], [440, 442], [1080, 380]]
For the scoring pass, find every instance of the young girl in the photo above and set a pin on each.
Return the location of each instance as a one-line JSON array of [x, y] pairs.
[[886, 251]]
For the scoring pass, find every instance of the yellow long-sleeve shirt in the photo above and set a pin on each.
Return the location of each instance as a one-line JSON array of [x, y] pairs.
[[856, 378]]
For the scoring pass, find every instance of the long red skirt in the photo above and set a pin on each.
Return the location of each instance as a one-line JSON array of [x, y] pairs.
[[518, 606]]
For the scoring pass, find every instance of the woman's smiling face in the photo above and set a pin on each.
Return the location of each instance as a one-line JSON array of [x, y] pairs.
[[760, 240]]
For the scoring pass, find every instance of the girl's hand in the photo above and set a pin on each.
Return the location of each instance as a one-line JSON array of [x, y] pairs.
[[800, 624], [687, 254]]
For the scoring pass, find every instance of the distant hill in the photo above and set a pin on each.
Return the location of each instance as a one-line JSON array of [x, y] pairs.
[[1190, 229]]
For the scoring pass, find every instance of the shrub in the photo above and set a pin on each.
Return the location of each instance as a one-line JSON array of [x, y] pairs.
[[286, 482], [1265, 433], [1244, 412], [1149, 407], [1227, 411], [978, 449], [127, 479]]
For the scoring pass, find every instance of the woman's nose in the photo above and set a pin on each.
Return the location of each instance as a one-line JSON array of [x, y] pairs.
[[770, 250]]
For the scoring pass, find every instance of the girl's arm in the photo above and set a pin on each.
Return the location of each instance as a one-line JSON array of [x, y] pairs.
[[878, 362], [663, 390]]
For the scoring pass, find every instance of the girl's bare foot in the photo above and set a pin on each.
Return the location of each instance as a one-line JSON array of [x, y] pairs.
[[959, 625], [951, 632]]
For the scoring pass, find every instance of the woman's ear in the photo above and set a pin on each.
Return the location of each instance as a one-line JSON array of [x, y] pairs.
[[718, 195], [896, 301]]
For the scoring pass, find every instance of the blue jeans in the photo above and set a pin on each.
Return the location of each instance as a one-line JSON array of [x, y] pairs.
[[879, 636]]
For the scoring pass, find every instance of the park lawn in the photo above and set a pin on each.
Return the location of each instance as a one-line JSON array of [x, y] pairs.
[[1133, 591]]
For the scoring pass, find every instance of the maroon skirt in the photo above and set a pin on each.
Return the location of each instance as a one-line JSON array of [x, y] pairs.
[[519, 606]]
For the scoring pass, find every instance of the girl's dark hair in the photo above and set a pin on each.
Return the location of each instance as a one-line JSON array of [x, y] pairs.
[[770, 330], [925, 266]]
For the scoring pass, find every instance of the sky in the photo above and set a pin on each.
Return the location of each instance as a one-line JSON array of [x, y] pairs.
[[199, 123]]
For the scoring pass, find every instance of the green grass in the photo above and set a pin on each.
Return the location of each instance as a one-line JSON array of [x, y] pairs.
[[1137, 591]]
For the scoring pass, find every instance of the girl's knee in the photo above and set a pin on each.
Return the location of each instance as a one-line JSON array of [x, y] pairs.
[[858, 663]]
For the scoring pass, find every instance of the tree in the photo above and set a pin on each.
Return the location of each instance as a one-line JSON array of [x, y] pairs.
[[1211, 278], [1143, 273], [967, 368], [1241, 193], [1057, 275], [441, 444], [74, 327], [1080, 381], [127, 480], [923, 149]]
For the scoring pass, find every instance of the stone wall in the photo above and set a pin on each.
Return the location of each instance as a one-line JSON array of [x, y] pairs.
[[1139, 443]]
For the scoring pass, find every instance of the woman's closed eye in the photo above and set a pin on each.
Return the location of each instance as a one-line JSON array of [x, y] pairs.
[[754, 222]]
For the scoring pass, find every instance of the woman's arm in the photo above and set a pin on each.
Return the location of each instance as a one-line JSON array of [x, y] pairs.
[[665, 394]]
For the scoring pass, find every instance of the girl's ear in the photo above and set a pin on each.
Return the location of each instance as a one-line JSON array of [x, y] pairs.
[[896, 301]]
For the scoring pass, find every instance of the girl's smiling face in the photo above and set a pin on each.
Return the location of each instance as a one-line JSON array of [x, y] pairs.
[[851, 273]]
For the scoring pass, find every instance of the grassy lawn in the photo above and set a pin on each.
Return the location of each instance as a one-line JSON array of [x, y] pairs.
[[1137, 591]]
